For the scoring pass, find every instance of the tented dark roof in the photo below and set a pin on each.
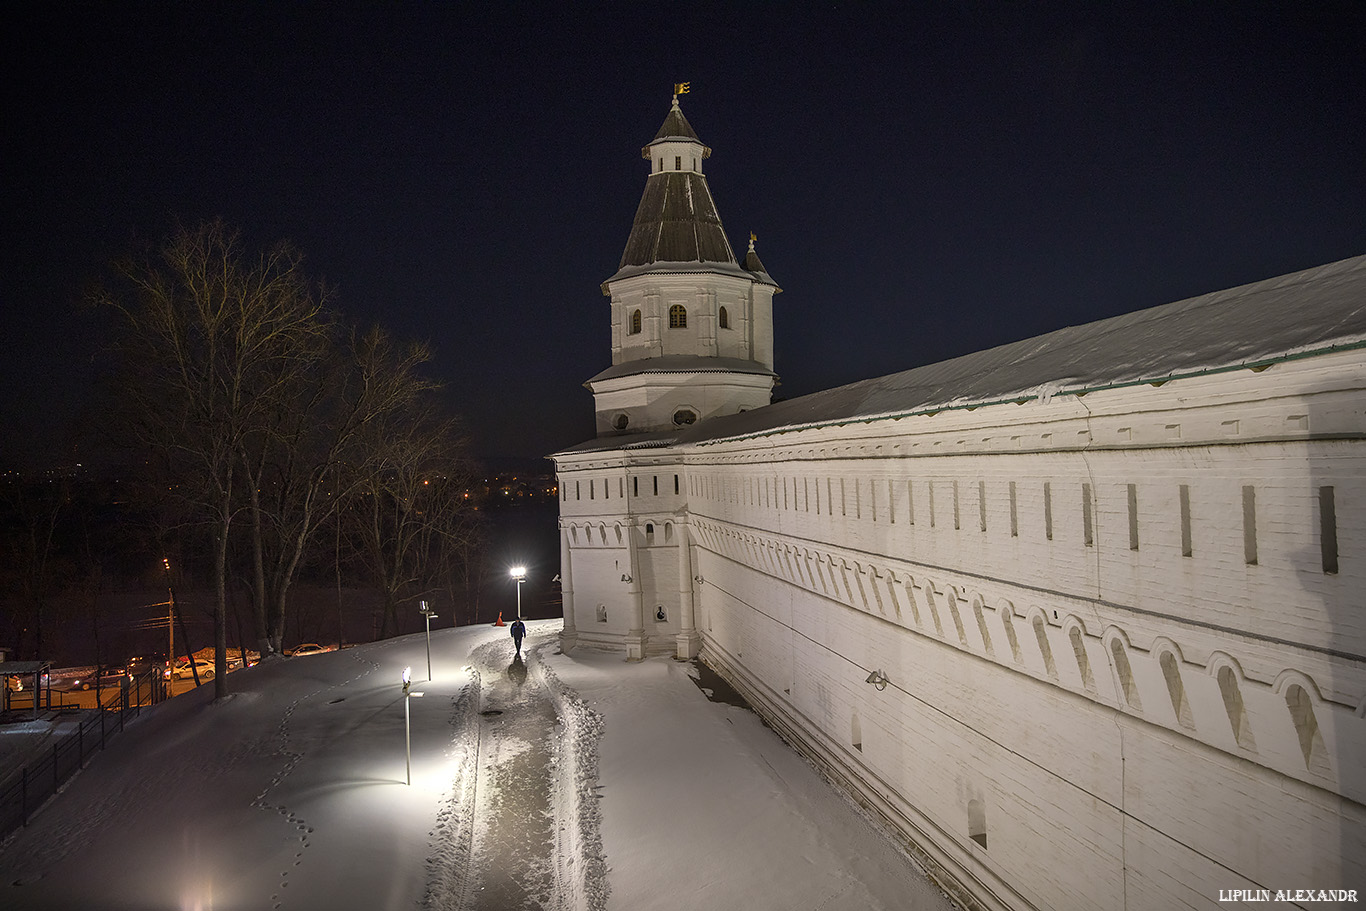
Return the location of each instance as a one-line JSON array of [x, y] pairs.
[[675, 126], [683, 363], [1300, 314], [676, 222], [755, 265]]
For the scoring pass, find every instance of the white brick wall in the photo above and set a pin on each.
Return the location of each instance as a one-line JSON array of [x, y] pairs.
[[1091, 799]]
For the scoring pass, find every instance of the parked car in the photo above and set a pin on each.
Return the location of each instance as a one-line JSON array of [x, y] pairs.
[[310, 648], [145, 664], [203, 665]]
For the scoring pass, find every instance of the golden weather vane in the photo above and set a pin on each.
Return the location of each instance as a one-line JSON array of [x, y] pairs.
[[682, 88]]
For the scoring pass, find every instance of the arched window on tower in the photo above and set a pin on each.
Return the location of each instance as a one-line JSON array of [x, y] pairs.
[[723, 318], [635, 322], [678, 317]]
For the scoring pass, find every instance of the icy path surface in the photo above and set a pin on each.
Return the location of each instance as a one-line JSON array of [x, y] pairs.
[[522, 810]]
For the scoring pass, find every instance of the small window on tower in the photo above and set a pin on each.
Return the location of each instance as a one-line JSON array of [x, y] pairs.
[[678, 317], [635, 322], [621, 421], [724, 318], [684, 416], [678, 162]]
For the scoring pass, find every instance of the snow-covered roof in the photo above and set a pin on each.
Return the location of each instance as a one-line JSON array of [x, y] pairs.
[[1295, 315]]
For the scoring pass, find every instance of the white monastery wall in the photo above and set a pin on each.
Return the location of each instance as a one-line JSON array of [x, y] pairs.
[[1113, 626]]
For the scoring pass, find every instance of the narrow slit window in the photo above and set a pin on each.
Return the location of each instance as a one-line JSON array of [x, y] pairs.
[[1185, 496], [656, 480], [1014, 513], [910, 502], [1048, 510], [1250, 525], [1087, 531], [930, 486], [956, 523], [1133, 516], [635, 322], [723, 318], [856, 733], [675, 484], [977, 822], [1328, 530], [982, 505], [635, 487]]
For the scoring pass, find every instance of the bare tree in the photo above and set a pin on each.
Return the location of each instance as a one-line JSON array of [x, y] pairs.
[[29, 515], [212, 337], [408, 517], [299, 465]]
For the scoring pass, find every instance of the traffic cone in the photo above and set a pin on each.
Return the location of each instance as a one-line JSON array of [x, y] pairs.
[[499, 621]]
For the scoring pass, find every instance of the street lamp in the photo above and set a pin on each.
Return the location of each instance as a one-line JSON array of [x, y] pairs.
[[427, 613], [519, 573]]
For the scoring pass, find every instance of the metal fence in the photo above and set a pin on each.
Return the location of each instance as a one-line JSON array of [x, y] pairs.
[[26, 789]]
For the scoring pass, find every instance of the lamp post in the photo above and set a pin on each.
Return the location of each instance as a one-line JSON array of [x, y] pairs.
[[519, 573], [427, 613]]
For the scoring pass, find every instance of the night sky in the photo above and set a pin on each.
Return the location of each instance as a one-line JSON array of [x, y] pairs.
[[925, 179]]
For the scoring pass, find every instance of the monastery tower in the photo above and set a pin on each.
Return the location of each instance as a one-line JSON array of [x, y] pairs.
[[692, 328]]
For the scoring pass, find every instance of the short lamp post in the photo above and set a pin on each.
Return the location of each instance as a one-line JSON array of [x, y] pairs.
[[427, 613], [519, 573]]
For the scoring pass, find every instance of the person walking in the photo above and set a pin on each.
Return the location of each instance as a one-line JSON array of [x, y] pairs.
[[518, 630]]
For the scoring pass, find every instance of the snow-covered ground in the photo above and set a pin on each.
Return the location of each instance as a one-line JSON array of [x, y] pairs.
[[562, 782]]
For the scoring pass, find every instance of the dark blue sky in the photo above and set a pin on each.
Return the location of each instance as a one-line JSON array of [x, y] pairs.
[[925, 179]]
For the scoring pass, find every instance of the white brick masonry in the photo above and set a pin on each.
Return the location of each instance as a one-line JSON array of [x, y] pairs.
[[1123, 632]]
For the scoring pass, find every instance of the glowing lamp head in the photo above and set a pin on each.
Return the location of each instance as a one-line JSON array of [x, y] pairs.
[[407, 676], [518, 573]]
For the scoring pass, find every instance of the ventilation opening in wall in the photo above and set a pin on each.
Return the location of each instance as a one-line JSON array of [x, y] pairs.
[[1041, 634], [1307, 727], [1176, 690], [856, 733], [1009, 625], [660, 616], [1083, 662], [1126, 675], [977, 822], [1233, 705]]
